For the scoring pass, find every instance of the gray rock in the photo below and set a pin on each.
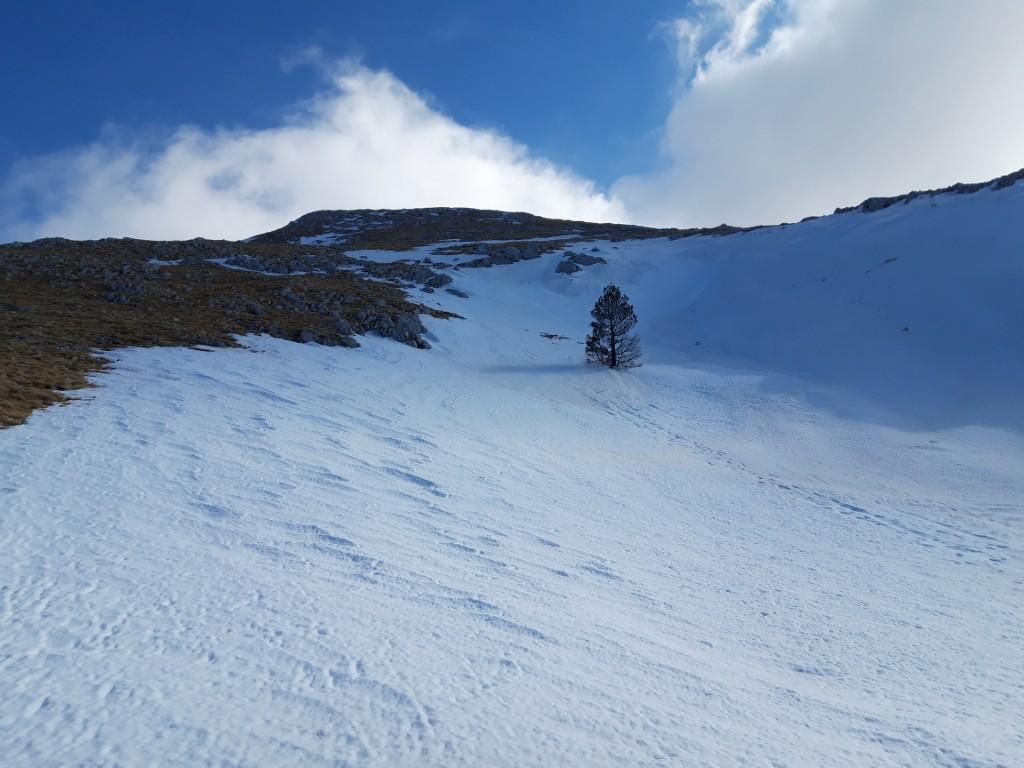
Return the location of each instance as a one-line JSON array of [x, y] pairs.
[[438, 281], [244, 261], [308, 335], [404, 327], [567, 268], [410, 324], [586, 260], [509, 254], [340, 341], [341, 325], [292, 300]]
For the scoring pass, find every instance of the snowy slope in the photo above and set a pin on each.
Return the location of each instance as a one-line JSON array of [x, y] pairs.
[[794, 544], [917, 311]]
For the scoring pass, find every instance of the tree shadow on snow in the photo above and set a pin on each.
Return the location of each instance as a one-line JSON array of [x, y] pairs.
[[542, 369]]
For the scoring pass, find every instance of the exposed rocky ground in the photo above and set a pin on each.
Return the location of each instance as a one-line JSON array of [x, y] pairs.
[[873, 204], [573, 262], [403, 229], [64, 301]]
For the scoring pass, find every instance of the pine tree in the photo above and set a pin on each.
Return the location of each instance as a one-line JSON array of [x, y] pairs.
[[610, 341]]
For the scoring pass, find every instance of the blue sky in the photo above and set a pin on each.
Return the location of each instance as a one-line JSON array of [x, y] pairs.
[[222, 119], [584, 81]]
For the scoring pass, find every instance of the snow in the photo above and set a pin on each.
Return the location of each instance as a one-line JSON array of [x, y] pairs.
[[327, 238], [546, 239], [430, 251], [226, 263], [413, 254], [756, 551]]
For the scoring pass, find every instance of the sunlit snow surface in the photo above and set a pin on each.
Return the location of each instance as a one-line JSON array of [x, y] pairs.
[[488, 554]]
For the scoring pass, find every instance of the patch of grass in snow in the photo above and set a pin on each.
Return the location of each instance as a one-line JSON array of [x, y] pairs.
[[63, 302]]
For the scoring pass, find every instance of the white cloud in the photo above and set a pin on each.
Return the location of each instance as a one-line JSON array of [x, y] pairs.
[[793, 107], [367, 142], [785, 108]]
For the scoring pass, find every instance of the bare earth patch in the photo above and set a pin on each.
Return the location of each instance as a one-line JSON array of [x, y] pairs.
[[64, 302]]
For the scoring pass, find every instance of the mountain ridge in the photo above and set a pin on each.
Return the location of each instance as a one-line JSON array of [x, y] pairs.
[[328, 276], [793, 536]]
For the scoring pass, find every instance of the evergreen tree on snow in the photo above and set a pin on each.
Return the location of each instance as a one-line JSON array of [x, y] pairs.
[[610, 341]]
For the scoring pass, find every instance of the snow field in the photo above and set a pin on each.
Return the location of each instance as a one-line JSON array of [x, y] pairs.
[[489, 554]]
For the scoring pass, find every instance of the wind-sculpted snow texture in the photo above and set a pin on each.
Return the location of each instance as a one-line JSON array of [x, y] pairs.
[[489, 554]]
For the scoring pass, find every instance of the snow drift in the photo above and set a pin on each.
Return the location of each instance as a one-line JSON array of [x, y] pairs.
[[796, 542]]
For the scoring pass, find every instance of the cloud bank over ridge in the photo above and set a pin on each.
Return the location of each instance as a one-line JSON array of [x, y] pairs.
[[368, 141], [789, 108], [783, 109]]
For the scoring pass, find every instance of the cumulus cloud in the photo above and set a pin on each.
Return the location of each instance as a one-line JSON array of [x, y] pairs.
[[366, 142], [784, 108], [789, 108]]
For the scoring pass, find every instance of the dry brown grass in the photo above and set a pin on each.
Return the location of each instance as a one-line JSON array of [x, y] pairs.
[[63, 302], [402, 230], [61, 305]]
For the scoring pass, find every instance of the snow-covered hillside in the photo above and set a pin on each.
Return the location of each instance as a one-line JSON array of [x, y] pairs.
[[916, 311], [795, 543]]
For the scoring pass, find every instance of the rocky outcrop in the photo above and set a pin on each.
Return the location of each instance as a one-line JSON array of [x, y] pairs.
[[61, 301], [498, 254], [575, 262], [584, 259], [403, 327], [408, 272], [308, 335], [396, 230], [873, 204]]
